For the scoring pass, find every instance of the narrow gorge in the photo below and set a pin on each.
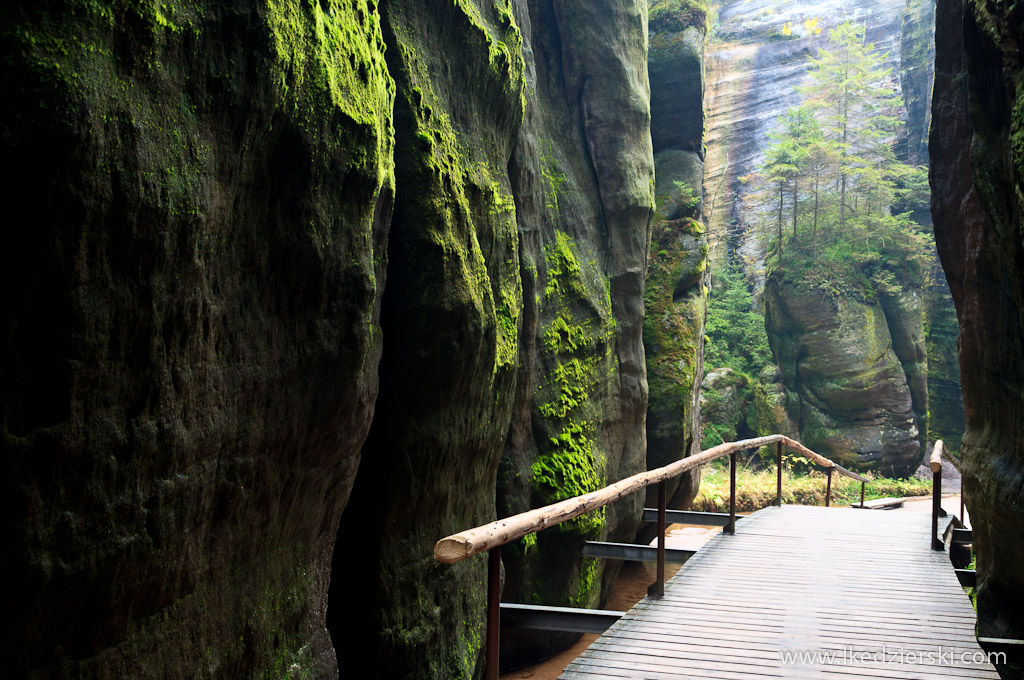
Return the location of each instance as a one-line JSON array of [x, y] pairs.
[[300, 287]]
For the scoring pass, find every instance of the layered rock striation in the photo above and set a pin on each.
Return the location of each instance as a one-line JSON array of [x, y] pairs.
[[852, 369], [977, 157]]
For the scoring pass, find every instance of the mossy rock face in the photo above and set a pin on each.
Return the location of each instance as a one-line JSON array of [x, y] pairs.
[[451, 317], [977, 170], [582, 176], [191, 353], [847, 390], [675, 299], [771, 413], [675, 305], [721, 403]]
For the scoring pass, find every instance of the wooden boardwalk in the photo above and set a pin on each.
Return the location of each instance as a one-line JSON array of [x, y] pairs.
[[801, 592]]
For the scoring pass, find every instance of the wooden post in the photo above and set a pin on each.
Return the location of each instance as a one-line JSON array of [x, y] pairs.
[[731, 528], [493, 612], [962, 501], [659, 586], [862, 494], [935, 463], [828, 489], [778, 486]]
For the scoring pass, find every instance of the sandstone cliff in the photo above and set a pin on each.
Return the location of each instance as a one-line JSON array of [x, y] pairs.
[[977, 168], [760, 54], [191, 329], [582, 174], [675, 298], [200, 336]]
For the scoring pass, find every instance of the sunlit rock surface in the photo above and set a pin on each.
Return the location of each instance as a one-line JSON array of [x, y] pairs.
[[758, 56]]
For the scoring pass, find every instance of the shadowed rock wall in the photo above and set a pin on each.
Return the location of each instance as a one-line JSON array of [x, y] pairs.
[[977, 169], [582, 175], [190, 326], [675, 299], [198, 324], [450, 318]]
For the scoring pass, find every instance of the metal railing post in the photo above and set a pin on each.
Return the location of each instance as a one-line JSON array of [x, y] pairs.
[[731, 528], [828, 489], [778, 464], [493, 611], [962, 501], [659, 586], [862, 494]]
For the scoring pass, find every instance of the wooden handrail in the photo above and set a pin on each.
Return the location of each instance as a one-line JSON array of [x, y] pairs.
[[465, 544], [935, 463]]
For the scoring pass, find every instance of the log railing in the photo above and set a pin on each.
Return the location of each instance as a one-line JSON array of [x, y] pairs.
[[490, 537]]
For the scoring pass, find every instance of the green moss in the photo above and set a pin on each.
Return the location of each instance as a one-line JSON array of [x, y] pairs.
[[554, 180], [564, 275], [570, 468], [588, 586]]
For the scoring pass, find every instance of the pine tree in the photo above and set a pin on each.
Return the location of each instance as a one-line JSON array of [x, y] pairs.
[[832, 163]]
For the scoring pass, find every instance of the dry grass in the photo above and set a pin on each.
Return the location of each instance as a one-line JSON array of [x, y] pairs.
[[755, 489]]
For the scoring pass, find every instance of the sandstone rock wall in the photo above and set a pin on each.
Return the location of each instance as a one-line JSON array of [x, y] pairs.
[[450, 318], [199, 334], [582, 175], [675, 298], [757, 57], [191, 328], [976, 173], [846, 388]]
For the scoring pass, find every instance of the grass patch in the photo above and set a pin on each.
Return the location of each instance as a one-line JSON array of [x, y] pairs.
[[755, 489], [972, 592]]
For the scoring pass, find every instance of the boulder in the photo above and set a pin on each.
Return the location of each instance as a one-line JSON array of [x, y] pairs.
[[846, 388]]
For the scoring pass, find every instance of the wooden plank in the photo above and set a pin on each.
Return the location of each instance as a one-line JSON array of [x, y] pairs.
[[798, 579]]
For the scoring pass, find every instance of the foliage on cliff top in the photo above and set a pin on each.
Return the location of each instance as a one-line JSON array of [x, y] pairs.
[[831, 192], [675, 16]]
